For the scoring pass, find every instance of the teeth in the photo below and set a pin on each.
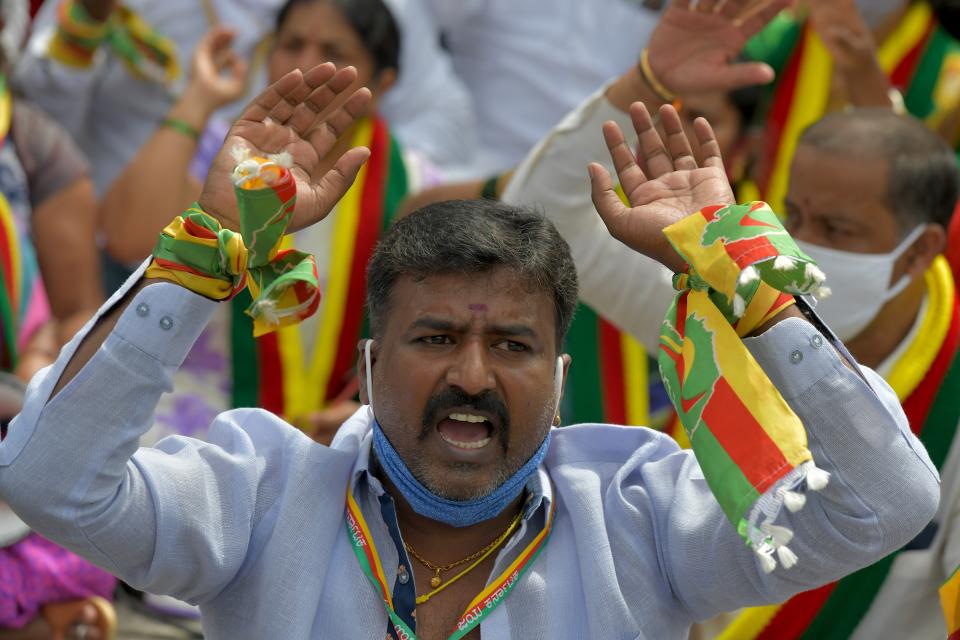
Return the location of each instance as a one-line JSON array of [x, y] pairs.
[[479, 444], [466, 417]]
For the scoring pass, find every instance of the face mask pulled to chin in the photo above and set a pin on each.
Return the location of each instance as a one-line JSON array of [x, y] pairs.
[[860, 283]]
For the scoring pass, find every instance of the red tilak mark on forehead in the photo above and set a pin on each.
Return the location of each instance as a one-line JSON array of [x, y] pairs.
[[477, 307]]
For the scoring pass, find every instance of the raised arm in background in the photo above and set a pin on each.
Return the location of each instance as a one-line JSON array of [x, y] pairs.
[[157, 181], [689, 53]]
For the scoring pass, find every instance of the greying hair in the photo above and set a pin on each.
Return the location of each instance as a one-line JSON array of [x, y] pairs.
[[923, 183], [473, 237]]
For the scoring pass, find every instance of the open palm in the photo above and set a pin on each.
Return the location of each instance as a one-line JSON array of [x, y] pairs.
[[694, 46], [675, 187], [297, 114]]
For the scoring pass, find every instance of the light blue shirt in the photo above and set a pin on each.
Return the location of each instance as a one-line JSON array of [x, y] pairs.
[[250, 525]]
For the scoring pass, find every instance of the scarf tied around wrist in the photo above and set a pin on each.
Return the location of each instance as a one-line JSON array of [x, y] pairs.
[[744, 269], [198, 253]]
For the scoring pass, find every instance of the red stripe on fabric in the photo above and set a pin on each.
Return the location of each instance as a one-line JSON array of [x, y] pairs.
[[286, 187], [611, 373], [954, 636], [903, 73], [953, 244], [709, 213], [197, 230], [917, 405], [682, 313], [796, 614], [176, 266], [783, 101], [749, 251], [741, 436], [271, 373], [368, 230], [6, 254]]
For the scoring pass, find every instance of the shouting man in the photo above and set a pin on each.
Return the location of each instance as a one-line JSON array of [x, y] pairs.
[[448, 504]]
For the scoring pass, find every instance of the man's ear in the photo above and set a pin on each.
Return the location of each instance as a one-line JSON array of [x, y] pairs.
[[362, 367], [567, 361], [924, 251]]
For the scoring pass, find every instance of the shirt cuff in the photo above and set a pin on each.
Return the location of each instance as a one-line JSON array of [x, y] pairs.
[[164, 320], [794, 355]]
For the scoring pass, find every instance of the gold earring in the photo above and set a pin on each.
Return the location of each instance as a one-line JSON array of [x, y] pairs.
[[557, 420]]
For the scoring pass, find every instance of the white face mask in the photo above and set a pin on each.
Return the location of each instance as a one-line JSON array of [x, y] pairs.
[[860, 283]]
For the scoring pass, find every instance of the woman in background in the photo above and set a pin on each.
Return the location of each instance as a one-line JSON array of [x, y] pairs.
[[305, 373]]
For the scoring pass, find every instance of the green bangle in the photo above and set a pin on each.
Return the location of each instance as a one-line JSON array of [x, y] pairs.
[[489, 190], [181, 126]]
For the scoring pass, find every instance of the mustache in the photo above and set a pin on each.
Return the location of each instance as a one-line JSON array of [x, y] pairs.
[[488, 401]]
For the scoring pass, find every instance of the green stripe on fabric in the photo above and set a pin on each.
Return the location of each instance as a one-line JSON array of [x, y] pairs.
[[198, 256], [919, 98], [9, 329], [941, 425], [775, 43], [583, 395], [243, 354], [848, 602], [729, 482], [397, 184]]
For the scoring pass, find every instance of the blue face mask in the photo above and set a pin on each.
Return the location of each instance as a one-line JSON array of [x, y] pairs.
[[456, 513]]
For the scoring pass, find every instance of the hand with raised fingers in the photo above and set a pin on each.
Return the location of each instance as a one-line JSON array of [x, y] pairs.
[[218, 74], [294, 115], [672, 187], [694, 46], [851, 44]]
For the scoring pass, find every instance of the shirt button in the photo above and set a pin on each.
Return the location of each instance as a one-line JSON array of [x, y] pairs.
[[796, 357], [166, 323], [402, 575], [143, 309], [816, 341]]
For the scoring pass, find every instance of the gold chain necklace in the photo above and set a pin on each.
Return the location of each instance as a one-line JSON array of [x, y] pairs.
[[436, 582]]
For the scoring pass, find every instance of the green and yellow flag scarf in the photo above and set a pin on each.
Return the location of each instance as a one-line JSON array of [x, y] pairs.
[[146, 54], [196, 252], [743, 270]]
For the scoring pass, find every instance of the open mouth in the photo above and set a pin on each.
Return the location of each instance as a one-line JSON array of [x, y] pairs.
[[466, 430]]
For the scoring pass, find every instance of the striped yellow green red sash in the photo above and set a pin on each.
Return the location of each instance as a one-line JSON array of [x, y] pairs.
[[146, 53], [609, 383], [913, 56], [926, 378], [751, 447], [11, 298], [272, 371], [479, 608]]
